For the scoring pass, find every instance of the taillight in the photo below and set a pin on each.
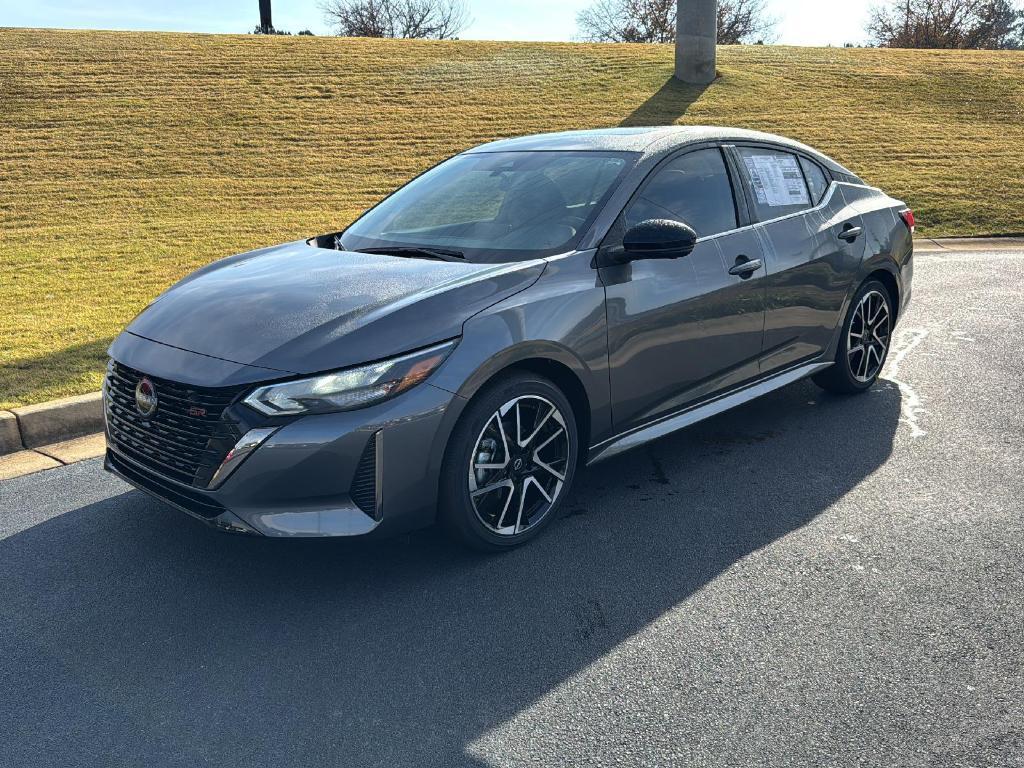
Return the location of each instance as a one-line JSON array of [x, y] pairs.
[[908, 218]]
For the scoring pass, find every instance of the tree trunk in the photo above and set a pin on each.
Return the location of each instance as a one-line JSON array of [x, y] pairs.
[[696, 36]]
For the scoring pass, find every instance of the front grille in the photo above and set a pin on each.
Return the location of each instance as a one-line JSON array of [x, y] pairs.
[[190, 501], [184, 438], [364, 483]]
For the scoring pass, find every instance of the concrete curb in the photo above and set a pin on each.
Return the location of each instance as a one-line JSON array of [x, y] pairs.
[[10, 434], [944, 244], [32, 426]]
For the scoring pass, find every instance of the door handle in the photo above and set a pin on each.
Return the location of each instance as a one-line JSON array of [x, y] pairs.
[[850, 233], [745, 267]]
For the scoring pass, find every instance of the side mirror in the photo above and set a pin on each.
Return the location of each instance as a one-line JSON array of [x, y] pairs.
[[658, 239]]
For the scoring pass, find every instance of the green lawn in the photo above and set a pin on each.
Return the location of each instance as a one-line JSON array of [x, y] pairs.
[[129, 159]]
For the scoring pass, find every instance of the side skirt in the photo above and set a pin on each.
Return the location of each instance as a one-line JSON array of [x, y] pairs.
[[668, 424]]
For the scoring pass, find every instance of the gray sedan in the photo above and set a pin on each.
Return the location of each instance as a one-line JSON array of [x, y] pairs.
[[522, 309]]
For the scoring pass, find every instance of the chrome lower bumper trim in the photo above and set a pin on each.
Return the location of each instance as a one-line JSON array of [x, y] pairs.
[[250, 441]]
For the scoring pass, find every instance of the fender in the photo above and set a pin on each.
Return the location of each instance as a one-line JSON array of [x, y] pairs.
[[492, 366], [535, 349], [560, 318]]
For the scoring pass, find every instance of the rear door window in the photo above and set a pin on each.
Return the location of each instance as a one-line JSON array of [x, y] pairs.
[[777, 182], [816, 180]]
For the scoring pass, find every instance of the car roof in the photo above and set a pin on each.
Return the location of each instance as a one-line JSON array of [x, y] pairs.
[[647, 140], [601, 139]]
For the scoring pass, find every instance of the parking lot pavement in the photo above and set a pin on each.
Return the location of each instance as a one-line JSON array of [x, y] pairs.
[[807, 581]]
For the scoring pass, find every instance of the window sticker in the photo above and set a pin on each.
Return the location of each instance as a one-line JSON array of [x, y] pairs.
[[777, 180]]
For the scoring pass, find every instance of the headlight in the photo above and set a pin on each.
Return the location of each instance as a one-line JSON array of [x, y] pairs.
[[352, 388]]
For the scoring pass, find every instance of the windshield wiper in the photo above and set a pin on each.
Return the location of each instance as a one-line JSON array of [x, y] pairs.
[[441, 254]]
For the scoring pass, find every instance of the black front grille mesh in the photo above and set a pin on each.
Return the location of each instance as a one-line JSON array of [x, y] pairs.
[[183, 438], [364, 483], [191, 501]]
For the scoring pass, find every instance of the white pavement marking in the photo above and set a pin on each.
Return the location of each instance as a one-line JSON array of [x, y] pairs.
[[907, 340]]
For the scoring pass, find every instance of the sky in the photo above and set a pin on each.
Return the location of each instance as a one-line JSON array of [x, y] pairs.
[[800, 22]]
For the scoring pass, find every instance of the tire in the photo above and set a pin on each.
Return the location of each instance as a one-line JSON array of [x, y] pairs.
[[502, 501], [858, 366]]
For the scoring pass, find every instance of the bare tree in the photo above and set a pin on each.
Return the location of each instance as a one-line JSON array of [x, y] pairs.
[[947, 24], [1003, 25], [654, 21], [628, 21], [743, 21], [436, 19]]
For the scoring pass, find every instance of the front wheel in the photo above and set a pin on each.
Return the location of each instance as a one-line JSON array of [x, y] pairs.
[[510, 462], [864, 346]]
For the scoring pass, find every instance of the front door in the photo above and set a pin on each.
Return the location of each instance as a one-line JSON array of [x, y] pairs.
[[683, 329]]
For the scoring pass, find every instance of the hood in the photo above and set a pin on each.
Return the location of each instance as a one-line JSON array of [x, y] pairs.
[[300, 309]]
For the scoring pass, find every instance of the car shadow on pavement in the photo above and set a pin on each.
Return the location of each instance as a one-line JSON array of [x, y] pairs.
[[132, 635]]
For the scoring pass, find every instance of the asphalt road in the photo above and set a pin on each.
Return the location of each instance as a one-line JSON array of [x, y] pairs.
[[807, 581]]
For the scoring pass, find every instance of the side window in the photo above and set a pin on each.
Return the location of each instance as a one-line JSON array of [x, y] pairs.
[[693, 188], [777, 181], [815, 180]]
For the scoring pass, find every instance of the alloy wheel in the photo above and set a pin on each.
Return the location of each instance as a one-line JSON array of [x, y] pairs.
[[868, 341], [518, 465]]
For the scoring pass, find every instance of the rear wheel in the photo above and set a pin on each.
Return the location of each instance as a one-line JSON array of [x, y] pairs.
[[509, 463], [864, 346]]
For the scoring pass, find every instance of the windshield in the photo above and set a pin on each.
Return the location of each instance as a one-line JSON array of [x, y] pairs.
[[494, 206]]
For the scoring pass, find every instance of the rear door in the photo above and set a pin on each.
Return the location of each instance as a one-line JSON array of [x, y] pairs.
[[681, 329], [812, 242]]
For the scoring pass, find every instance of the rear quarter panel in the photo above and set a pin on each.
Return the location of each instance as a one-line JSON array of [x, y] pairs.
[[889, 244]]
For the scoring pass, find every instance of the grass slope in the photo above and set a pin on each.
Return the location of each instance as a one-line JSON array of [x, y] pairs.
[[129, 159]]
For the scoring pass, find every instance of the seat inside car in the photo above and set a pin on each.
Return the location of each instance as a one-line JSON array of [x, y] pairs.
[[538, 201]]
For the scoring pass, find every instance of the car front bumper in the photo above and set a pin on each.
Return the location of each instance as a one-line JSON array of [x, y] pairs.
[[306, 478]]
